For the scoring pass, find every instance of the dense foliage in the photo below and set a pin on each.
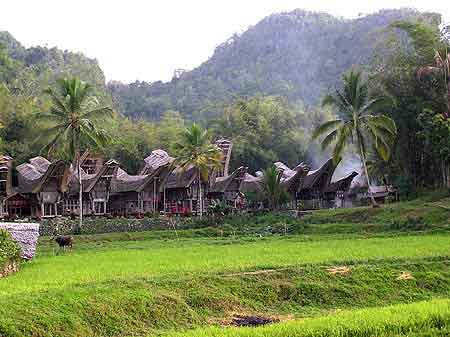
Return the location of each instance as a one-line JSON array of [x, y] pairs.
[[421, 155], [273, 190], [265, 130], [357, 123], [9, 249]]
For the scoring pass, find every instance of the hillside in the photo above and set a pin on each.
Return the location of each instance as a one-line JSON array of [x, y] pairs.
[[35, 68], [297, 54]]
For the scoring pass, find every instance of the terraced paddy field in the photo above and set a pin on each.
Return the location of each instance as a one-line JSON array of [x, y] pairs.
[[322, 279]]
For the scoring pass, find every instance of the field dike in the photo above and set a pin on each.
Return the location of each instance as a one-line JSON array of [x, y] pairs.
[[161, 306]]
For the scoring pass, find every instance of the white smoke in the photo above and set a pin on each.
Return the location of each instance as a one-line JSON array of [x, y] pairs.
[[350, 162]]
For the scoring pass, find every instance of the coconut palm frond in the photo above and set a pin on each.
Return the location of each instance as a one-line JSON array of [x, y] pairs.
[[382, 122], [325, 127], [97, 113], [329, 139], [355, 106], [58, 102]]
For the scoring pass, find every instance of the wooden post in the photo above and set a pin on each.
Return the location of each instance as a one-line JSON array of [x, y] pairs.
[[164, 197], [80, 194], [154, 195]]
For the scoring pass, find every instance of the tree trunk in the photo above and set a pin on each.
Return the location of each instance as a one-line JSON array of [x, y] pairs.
[[200, 197], [80, 224], [448, 99], [447, 177], [363, 159], [444, 178]]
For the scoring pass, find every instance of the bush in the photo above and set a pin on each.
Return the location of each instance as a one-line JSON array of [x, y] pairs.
[[411, 223], [9, 249]]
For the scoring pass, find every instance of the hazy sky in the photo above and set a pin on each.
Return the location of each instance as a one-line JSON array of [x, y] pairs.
[[147, 40]]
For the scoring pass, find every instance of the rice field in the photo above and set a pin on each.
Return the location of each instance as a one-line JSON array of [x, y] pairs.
[[430, 318], [142, 285], [154, 258]]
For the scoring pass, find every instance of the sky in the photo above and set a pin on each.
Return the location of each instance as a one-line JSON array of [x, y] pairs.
[[147, 40]]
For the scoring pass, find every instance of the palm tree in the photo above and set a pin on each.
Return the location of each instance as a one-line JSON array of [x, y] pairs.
[[272, 187], [197, 152], [356, 124], [72, 114]]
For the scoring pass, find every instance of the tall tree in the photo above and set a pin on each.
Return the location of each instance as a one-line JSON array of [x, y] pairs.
[[415, 76], [197, 152], [441, 68], [357, 125], [73, 114]]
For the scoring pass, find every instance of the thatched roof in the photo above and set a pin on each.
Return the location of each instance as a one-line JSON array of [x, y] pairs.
[[5, 162], [382, 191], [342, 184], [108, 170], [222, 184], [180, 178], [293, 180], [28, 172], [58, 169], [251, 184], [33, 175], [284, 169], [124, 182], [40, 163], [86, 179], [155, 160], [320, 178]]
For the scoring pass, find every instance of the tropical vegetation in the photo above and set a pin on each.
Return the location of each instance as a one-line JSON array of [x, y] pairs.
[[357, 124], [72, 116], [273, 190], [197, 152], [9, 249]]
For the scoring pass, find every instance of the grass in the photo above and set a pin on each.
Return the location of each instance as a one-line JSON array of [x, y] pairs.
[[419, 319], [429, 213], [128, 259], [150, 283], [110, 288]]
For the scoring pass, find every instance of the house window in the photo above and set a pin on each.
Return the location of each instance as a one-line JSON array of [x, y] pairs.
[[51, 210], [99, 207], [71, 206]]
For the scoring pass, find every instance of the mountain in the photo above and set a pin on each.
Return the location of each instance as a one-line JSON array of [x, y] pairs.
[[36, 68], [298, 55]]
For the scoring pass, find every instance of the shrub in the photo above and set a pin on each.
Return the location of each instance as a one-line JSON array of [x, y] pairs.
[[219, 208], [411, 223], [9, 249]]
